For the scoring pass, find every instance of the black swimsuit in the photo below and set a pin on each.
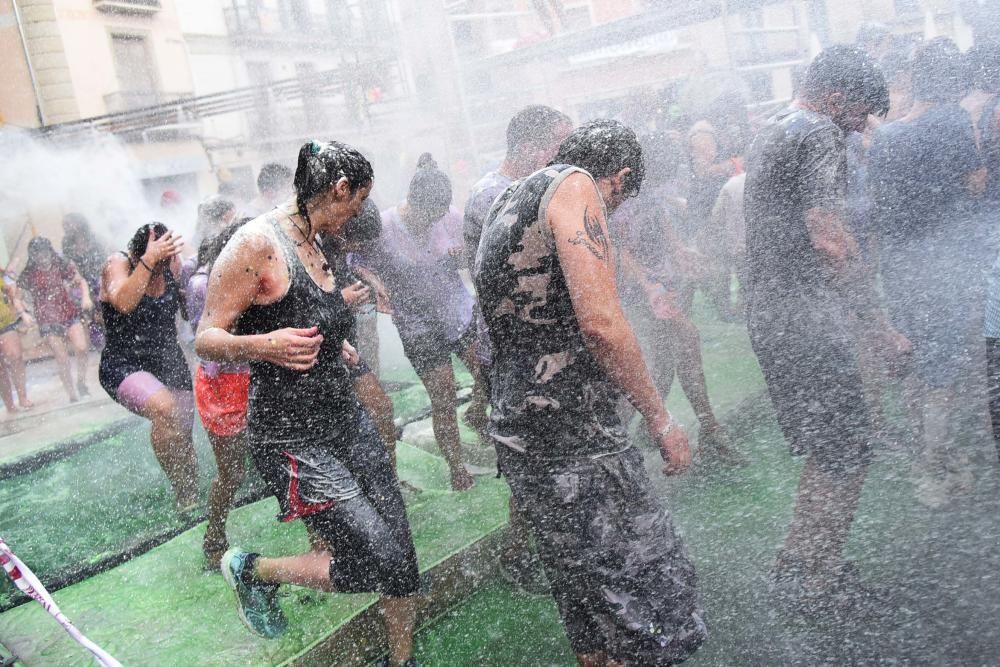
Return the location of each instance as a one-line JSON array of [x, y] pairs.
[[144, 340]]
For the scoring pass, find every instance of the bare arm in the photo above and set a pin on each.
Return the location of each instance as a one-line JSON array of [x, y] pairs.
[[124, 290], [85, 297], [576, 217], [250, 271]]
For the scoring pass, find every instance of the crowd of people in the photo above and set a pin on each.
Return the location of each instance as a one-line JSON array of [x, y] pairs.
[[858, 223]]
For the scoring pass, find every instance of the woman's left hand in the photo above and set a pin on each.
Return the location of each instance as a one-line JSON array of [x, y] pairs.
[[349, 355], [86, 304]]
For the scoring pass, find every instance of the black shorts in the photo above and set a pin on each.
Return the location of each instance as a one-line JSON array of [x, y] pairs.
[[344, 488], [57, 329], [810, 366], [619, 573], [425, 353]]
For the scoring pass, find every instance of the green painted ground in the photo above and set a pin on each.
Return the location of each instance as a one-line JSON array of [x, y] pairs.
[[111, 497], [939, 565], [160, 609]]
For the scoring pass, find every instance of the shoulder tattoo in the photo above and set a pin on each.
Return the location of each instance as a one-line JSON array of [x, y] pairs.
[[592, 236]]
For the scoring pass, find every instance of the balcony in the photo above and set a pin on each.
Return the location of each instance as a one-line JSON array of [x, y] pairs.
[[133, 7], [129, 100]]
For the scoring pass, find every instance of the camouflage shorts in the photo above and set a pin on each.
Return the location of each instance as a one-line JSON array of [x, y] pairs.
[[619, 573]]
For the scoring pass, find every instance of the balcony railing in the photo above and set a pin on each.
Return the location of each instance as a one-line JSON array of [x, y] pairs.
[[144, 7], [128, 100]]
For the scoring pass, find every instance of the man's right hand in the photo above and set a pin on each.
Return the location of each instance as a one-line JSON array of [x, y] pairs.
[[167, 246], [295, 349], [675, 450]]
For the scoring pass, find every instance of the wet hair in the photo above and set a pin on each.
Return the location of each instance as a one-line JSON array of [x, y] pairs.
[[214, 208], [938, 72], [603, 148], [137, 248], [320, 166], [847, 70], [365, 227], [273, 176], [983, 63], [140, 240], [210, 249], [430, 188], [872, 32], [36, 247], [535, 124], [895, 65]]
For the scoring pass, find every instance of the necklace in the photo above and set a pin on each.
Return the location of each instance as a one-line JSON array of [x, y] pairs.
[[305, 239]]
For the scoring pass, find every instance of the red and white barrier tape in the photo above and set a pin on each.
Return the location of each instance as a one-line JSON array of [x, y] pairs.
[[25, 580]]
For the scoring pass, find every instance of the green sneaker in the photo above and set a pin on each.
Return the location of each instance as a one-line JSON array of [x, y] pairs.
[[256, 602]]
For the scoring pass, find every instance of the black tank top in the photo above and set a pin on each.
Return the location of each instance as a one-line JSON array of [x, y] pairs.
[[293, 406], [144, 339]]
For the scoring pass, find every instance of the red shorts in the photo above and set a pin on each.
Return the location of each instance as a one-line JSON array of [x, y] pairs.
[[222, 401]]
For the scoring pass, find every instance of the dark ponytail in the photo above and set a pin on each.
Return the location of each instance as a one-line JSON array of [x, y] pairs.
[[430, 188], [137, 248], [320, 166]]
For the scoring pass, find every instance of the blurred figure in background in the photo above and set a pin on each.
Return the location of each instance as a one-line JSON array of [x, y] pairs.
[[81, 246], [142, 365], [13, 317], [221, 393], [805, 286], [418, 260], [983, 105], [925, 172], [715, 144], [533, 137], [274, 185], [361, 290], [564, 358], [48, 278], [656, 286], [215, 213]]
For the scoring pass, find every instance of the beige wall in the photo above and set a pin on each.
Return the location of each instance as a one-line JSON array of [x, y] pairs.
[[87, 33], [17, 98]]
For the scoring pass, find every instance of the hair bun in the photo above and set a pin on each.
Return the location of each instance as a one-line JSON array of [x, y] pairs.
[[426, 161]]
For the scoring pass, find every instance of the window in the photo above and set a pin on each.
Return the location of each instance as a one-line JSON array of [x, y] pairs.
[[136, 76]]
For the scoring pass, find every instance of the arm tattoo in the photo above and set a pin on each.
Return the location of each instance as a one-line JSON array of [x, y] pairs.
[[594, 239]]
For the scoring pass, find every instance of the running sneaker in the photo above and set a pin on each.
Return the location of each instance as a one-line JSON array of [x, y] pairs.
[[256, 602]]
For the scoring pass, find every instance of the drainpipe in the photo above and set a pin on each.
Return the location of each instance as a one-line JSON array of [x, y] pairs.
[[27, 60]]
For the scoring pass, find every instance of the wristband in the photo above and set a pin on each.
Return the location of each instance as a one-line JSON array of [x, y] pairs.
[[146, 265]]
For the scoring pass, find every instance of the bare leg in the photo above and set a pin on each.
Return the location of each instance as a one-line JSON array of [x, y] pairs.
[[312, 570], [824, 512], [440, 386], [400, 616], [686, 343], [309, 570], [475, 415], [6, 391], [229, 459], [77, 337], [172, 445], [12, 356], [58, 347], [372, 396]]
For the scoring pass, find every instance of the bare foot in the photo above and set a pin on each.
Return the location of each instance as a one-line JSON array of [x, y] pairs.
[[26, 404], [462, 481]]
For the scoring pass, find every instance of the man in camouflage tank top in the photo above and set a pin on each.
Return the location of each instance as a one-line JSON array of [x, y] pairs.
[[563, 357]]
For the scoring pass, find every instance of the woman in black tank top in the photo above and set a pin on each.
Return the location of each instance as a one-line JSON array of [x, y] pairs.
[[142, 366], [273, 302]]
